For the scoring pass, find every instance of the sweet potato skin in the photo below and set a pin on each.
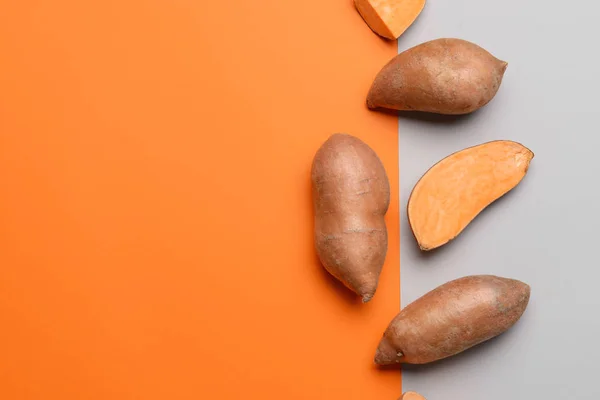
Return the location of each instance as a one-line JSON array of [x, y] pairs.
[[453, 318], [443, 76], [351, 195]]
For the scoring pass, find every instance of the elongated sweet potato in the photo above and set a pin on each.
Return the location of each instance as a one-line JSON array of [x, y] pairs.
[[411, 396], [456, 189], [453, 318], [444, 76], [389, 18], [351, 195]]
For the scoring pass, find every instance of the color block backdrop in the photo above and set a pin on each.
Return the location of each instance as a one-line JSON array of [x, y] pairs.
[[155, 213], [544, 232]]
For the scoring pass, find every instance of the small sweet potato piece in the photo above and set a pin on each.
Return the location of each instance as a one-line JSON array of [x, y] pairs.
[[443, 76], [456, 189], [351, 195], [412, 396], [453, 318], [389, 18]]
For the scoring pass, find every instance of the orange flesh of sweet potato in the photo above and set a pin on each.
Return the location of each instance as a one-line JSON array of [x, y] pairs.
[[455, 190], [389, 18], [412, 396]]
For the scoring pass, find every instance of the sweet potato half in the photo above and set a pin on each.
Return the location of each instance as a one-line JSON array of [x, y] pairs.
[[456, 189]]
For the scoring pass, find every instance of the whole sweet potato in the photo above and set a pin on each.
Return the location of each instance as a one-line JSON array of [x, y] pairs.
[[351, 195], [452, 318], [444, 76]]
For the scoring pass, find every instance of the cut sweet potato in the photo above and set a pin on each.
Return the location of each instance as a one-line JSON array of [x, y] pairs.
[[351, 195], [389, 18], [412, 396], [455, 190]]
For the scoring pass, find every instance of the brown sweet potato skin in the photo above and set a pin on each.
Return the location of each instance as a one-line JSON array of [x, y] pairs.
[[351, 195], [443, 76], [452, 318], [456, 189]]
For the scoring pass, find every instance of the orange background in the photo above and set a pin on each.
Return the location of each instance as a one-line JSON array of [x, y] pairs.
[[155, 214]]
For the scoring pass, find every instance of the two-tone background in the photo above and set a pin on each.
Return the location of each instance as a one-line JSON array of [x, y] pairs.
[[155, 214]]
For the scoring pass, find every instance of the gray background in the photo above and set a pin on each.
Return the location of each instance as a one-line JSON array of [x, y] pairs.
[[544, 231]]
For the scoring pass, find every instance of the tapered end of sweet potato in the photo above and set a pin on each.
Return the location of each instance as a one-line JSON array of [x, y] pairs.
[[386, 354], [384, 92], [370, 103], [367, 289], [502, 66], [523, 291], [367, 297]]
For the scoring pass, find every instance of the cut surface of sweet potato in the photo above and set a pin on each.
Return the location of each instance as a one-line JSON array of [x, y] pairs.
[[456, 189], [389, 18], [412, 396]]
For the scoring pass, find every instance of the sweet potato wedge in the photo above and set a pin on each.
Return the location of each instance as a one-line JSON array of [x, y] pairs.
[[456, 189], [389, 18]]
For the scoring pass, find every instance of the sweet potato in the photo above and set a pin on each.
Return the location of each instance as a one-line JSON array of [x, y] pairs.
[[412, 396], [389, 18], [443, 76], [453, 318], [456, 189], [351, 195]]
